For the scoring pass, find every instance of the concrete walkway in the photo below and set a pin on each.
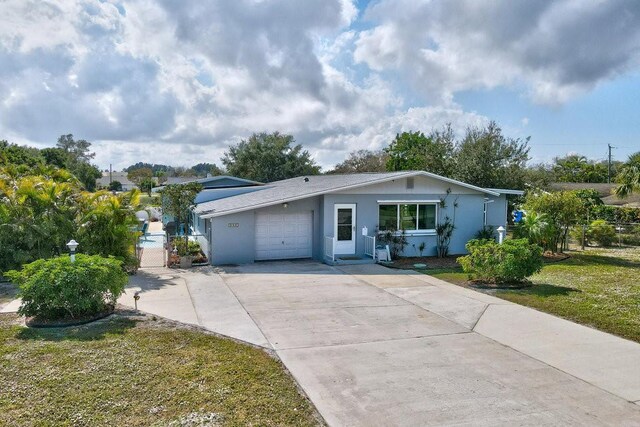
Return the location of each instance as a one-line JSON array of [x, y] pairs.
[[195, 296], [373, 346]]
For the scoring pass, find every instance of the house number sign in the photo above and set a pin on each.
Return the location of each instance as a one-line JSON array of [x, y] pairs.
[[233, 225]]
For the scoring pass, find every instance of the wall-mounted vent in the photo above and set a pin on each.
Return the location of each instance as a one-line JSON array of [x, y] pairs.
[[410, 183]]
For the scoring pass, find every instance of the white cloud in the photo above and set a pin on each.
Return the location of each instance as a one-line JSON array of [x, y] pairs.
[[558, 49], [177, 81]]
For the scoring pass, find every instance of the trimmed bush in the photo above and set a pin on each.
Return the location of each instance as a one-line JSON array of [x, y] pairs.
[[511, 261], [56, 288], [601, 232]]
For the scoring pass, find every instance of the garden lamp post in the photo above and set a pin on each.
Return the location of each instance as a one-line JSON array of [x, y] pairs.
[[72, 245], [501, 231]]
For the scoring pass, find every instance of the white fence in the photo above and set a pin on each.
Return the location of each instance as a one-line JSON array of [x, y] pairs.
[[370, 246], [329, 248]]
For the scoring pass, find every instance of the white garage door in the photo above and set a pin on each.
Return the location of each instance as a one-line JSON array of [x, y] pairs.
[[283, 236]]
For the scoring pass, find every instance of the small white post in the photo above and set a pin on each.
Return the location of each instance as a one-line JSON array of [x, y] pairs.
[[72, 245], [501, 231]]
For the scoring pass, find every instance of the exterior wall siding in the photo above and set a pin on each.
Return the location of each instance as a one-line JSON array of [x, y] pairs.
[[236, 244], [233, 236], [468, 219], [497, 212]]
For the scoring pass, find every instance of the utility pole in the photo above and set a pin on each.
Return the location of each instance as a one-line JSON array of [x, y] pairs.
[[609, 165]]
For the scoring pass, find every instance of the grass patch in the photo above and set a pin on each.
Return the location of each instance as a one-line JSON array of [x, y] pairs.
[[131, 370], [597, 287]]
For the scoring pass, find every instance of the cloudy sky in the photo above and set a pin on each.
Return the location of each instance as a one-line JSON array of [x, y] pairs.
[[177, 81]]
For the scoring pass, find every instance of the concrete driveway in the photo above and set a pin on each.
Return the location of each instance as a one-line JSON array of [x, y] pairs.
[[373, 346]]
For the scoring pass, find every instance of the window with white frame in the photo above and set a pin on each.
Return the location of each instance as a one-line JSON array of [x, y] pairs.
[[407, 216]]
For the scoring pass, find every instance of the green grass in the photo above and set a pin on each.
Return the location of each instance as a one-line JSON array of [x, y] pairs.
[[136, 371], [597, 287]]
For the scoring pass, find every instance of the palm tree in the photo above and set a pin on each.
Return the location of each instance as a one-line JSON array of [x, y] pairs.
[[629, 177]]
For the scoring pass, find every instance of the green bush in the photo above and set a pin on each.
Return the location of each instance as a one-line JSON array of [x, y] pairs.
[[601, 232], [184, 249], [56, 288], [511, 261], [485, 233]]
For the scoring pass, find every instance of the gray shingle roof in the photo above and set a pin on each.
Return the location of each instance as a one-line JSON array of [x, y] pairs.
[[297, 188]]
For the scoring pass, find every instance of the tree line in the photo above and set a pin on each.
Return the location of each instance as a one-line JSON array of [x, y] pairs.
[[482, 156]]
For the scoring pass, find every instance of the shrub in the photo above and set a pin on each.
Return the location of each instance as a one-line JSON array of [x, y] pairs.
[[56, 288], [184, 249], [397, 240], [576, 235], [601, 232], [511, 261], [485, 233]]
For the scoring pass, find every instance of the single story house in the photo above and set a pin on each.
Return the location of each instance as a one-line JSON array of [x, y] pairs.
[[335, 218], [108, 177]]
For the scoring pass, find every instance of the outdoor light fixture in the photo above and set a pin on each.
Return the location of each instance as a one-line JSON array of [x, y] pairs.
[[72, 245], [136, 297], [285, 205], [501, 231]]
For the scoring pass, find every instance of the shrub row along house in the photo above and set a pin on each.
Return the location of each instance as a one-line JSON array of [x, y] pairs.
[[334, 218]]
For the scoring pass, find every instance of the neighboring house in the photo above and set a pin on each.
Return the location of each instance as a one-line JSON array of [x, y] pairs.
[[108, 177], [334, 217]]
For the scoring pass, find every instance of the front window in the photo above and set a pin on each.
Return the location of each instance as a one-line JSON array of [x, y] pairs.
[[426, 217], [407, 216], [388, 217]]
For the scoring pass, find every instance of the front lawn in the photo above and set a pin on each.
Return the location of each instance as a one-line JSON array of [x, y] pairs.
[[597, 287], [136, 371]]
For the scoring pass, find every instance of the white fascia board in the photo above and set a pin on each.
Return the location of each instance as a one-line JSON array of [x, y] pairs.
[[507, 191]]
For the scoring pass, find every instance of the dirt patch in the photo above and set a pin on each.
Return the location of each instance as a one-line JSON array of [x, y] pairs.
[[36, 322], [552, 257]]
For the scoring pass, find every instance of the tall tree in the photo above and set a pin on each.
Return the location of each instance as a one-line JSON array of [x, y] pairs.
[[577, 168], [13, 154], [363, 161], [77, 150], [268, 157], [417, 151], [538, 176], [143, 178], [629, 176], [78, 160], [486, 158], [177, 200], [204, 169]]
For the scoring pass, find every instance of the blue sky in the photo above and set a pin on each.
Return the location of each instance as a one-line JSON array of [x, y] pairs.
[[178, 81]]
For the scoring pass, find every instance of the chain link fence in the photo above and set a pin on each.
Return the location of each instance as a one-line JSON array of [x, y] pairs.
[[607, 233]]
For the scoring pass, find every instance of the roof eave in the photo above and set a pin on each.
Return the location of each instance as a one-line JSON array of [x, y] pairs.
[[213, 214]]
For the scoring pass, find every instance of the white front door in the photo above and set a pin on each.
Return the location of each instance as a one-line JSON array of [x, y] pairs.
[[345, 229]]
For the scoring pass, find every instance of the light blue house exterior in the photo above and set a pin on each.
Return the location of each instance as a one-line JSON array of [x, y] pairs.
[[335, 218]]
